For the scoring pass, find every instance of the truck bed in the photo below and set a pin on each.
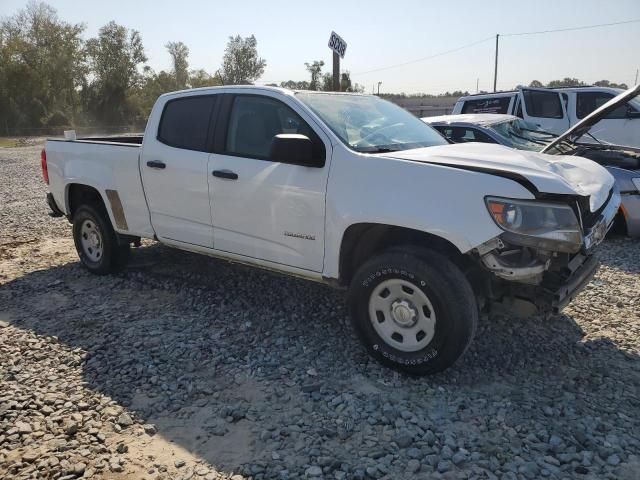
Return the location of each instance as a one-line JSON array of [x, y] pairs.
[[133, 140], [110, 166]]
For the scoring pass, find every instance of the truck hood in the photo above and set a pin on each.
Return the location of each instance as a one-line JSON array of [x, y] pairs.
[[557, 174], [583, 126]]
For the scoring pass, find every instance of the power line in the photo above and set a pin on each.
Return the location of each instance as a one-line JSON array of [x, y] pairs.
[[426, 58], [570, 29], [417, 60]]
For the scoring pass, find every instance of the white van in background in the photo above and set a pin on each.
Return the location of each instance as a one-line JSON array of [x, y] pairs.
[[557, 109]]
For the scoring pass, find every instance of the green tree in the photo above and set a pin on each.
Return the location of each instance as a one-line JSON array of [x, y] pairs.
[[607, 83], [293, 85], [200, 78], [115, 56], [565, 82], [327, 82], [536, 84], [41, 69], [179, 56], [241, 63], [315, 70]]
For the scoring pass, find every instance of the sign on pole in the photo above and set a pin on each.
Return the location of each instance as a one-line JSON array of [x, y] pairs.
[[339, 47], [337, 44]]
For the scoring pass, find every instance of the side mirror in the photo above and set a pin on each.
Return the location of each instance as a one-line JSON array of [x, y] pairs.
[[631, 113], [293, 148]]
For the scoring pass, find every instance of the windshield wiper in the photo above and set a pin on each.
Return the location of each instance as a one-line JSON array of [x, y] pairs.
[[378, 149]]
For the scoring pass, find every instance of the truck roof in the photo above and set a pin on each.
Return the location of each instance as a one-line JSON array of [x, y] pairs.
[[257, 88], [506, 93]]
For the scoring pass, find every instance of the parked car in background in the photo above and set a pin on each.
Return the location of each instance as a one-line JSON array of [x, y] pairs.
[[348, 190], [507, 130], [623, 162], [555, 110]]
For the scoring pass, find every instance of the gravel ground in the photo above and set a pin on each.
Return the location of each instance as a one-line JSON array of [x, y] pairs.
[[187, 367]]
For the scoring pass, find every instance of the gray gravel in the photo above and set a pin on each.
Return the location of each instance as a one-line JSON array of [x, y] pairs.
[[187, 367]]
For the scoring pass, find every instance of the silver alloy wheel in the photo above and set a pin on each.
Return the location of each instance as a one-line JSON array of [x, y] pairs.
[[402, 315], [91, 240]]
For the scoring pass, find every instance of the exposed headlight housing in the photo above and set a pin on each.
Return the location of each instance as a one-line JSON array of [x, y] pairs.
[[636, 182], [548, 226]]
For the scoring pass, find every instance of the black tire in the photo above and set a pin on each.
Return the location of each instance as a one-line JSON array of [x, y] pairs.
[[447, 289], [114, 256]]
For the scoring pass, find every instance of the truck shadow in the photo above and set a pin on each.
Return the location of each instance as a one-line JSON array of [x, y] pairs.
[[236, 365]]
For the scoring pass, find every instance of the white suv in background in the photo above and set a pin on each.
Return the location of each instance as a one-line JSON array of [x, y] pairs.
[[557, 109]]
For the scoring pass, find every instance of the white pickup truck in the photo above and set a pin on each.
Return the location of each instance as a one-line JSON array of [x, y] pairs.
[[348, 190]]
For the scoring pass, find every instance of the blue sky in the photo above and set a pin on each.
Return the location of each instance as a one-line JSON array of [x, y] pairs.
[[383, 33]]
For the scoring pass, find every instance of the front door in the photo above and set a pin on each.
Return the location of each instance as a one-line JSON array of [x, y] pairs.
[[175, 172], [264, 209]]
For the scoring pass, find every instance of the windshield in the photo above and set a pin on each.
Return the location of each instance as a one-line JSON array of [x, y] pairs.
[[369, 124], [523, 135]]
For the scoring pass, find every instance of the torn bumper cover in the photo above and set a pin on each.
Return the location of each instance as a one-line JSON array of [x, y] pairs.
[[579, 278]]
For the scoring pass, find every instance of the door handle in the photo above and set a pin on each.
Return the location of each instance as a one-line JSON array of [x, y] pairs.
[[228, 174], [156, 164]]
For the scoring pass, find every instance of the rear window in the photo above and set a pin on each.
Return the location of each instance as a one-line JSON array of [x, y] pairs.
[[542, 104], [185, 122], [487, 105]]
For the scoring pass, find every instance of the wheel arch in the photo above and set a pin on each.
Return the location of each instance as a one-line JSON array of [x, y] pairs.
[[360, 241], [77, 194]]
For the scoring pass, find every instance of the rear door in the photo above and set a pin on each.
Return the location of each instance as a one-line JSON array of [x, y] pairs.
[[174, 168], [263, 209], [545, 109]]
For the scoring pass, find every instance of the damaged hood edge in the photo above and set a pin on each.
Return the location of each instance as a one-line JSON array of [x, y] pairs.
[[555, 174]]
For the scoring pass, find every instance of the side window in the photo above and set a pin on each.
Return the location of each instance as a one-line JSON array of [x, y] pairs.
[[255, 120], [479, 136], [465, 134], [185, 122], [487, 105], [587, 102], [542, 104]]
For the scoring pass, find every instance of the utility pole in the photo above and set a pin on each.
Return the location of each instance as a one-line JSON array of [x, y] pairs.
[[495, 72], [379, 83], [637, 70], [477, 84]]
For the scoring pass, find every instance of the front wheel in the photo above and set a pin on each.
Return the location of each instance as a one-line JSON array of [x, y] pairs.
[[413, 310]]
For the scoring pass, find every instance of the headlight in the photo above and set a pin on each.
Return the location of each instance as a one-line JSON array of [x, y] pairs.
[[548, 226], [636, 182]]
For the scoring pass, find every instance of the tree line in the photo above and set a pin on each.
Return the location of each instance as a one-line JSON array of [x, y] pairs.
[[51, 77]]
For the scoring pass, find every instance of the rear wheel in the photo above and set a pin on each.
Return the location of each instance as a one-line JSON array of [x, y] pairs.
[[413, 310], [96, 241]]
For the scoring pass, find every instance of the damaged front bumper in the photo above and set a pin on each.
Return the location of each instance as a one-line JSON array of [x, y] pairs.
[[548, 279]]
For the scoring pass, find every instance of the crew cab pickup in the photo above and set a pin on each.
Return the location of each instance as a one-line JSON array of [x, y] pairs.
[[348, 190]]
